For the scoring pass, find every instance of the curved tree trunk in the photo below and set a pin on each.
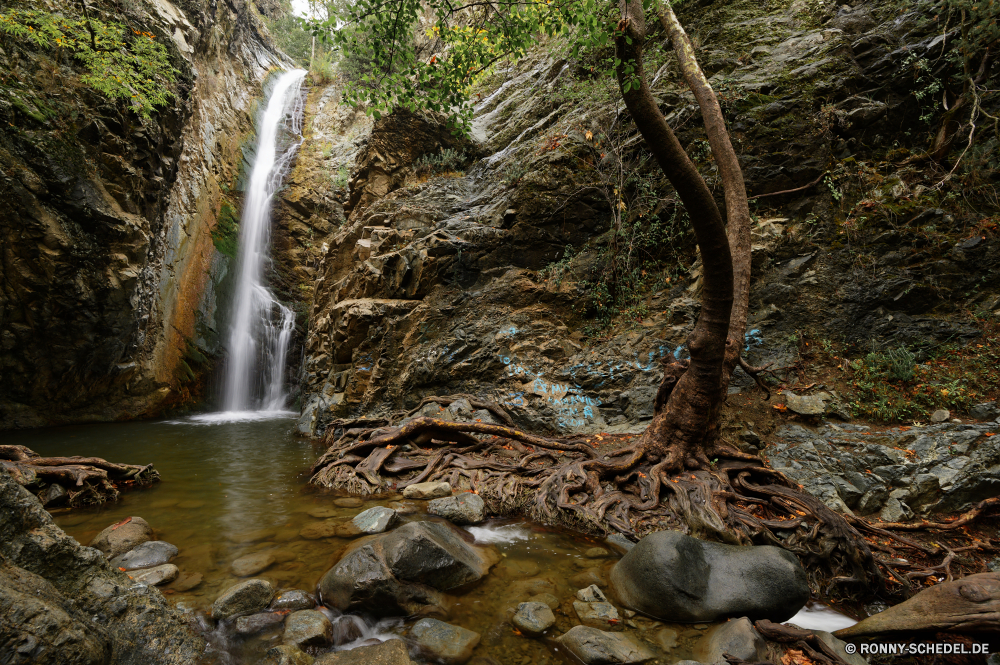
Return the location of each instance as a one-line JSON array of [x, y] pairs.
[[688, 424], [737, 207]]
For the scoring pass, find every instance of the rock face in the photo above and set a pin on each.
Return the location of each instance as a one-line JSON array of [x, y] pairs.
[[443, 642], [466, 508], [673, 577], [64, 603], [969, 604], [596, 647], [895, 474], [120, 538], [246, 597], [404, 571]]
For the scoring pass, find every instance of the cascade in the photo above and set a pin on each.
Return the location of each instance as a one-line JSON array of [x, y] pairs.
[[261, 327]]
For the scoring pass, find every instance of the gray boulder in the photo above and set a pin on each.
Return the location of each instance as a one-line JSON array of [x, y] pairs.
[[431, 490], [150, 553], [597, 614], [443, 642], [156, 575], [807, 405], [533, 618], [985, 411], [596, 647], [122, 537], [736, 637], [404, 571], [677, 578], [390, 652], [247, 597], [308, 628], [374, 520], [466, 508], [292, 600]]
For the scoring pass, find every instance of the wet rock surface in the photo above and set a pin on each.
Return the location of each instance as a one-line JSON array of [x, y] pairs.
[[533, 618], [150, 553], [674, 577], [896, 473], [307, 628], [375, 520], [444, 642], [466, 508], [119, 539], [597, 647], [70, 605], [736, 637], [390, 652], [246, 597], [405, 571]]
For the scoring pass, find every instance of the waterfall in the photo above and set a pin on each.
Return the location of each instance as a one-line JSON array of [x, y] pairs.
[[261, 327]]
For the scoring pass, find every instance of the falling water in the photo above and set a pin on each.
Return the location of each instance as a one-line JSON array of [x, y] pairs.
[[261, 326]]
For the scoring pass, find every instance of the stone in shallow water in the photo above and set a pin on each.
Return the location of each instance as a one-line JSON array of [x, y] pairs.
[[466, 508], [348, 502], [374, 520], [324, 512], [675, 577], [252, 564], [286, 655], [150, 553], [736, 637], [596, 553], [308, 628], [247, 597], [156, 575], [187, 581], [546, 598], [255, 623], [591, 594], [119, 538], [533, 618], [444, 642], [596, 647], [254, 536], [431, 490], [292, 600], [390, 652], [318, 530], [597, 614]]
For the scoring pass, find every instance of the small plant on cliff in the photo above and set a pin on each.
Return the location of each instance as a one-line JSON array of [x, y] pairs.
[[446, 160], [122, 64]]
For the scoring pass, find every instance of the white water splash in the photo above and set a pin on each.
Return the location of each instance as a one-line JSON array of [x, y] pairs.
[[820, 617], [499, 534], [227, 417], [261, 326]]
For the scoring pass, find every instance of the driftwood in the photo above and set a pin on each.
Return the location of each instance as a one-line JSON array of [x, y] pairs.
[[73, 480]]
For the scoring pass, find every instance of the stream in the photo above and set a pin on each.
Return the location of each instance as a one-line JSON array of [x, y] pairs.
[[234, 487]]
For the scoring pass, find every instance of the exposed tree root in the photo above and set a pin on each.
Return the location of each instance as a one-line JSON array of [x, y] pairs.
[[731, 498], [77, 481], [804, 641]]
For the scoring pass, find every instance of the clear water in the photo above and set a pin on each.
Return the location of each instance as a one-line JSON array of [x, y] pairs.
[[261, 328], [234, 487]]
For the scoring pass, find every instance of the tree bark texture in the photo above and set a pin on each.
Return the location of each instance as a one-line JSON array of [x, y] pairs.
[[688, 424]]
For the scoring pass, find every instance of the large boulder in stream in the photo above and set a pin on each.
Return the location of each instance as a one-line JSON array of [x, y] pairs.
[[674, 577], [968, 605], [405, 571], [65, 604]]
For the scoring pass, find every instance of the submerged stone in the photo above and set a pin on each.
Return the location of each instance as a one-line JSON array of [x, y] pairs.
[[252, 564]]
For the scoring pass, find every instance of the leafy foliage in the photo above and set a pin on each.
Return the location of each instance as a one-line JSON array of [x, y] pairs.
[[122, 64], [465, 42], [446, 160]]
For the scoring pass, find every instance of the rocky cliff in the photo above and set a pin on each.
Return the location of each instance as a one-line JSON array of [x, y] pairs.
[[484, 276], [117, 232]]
